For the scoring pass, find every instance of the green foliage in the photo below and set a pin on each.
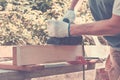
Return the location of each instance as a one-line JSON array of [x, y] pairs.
[[25, 24]]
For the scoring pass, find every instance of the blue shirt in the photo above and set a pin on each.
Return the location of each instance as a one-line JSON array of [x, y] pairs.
[[103, 9]]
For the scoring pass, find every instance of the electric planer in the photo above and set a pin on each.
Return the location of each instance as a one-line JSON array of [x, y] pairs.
[[66, 40]]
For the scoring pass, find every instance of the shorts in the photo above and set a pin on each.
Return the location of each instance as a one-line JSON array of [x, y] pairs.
[[113, 65]]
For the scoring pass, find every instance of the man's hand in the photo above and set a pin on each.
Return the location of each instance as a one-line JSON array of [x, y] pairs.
[[58, 28], [70, 15]]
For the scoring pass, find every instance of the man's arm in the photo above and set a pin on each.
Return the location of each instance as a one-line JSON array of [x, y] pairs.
[[70, 14], [73, 4], [104, 27]]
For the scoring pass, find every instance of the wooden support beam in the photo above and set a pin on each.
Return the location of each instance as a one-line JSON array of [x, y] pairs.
[[22, 68], [16, 75]]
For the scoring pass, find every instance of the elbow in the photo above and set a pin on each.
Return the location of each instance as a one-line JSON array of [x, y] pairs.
[[114, 25]]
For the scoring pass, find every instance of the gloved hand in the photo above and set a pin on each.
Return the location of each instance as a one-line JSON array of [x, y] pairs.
[[70, 15], [58, 28]]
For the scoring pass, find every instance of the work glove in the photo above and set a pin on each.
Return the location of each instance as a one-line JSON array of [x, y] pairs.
[[65, 40], [58, 28], [70, 14]]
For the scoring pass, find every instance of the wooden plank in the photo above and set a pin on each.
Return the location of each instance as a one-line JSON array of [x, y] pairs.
[[97, 51], [8, 65], [14, 56], [17, 75], [6, 51], [46, 54], [21, 68]]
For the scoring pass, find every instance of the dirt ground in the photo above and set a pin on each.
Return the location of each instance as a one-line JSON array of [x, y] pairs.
[[89, 75]]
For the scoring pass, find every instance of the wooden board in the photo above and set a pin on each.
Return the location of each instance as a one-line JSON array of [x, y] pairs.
[[16, 75], [39, 54], [97, 51], [21, 68], [8, 65], [6, 51], [46, 54]]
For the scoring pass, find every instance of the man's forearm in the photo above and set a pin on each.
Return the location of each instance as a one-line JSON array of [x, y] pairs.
[[73, 4], [103, 27]]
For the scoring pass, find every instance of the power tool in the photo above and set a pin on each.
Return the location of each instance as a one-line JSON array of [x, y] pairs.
[[66, 40]]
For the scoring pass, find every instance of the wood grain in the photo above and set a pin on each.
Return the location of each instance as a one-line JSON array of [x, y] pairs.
[[46, 54]]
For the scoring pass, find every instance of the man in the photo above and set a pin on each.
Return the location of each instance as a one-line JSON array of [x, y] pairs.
[[107, 16]]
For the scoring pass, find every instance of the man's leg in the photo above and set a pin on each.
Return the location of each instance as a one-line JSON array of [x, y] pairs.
[[114, 71], [102, 9]]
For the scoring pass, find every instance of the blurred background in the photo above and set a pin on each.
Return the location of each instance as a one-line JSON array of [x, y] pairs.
[[23, 22]]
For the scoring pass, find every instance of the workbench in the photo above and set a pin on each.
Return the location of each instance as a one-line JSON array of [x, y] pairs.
[[49, 71], [23, 75]]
